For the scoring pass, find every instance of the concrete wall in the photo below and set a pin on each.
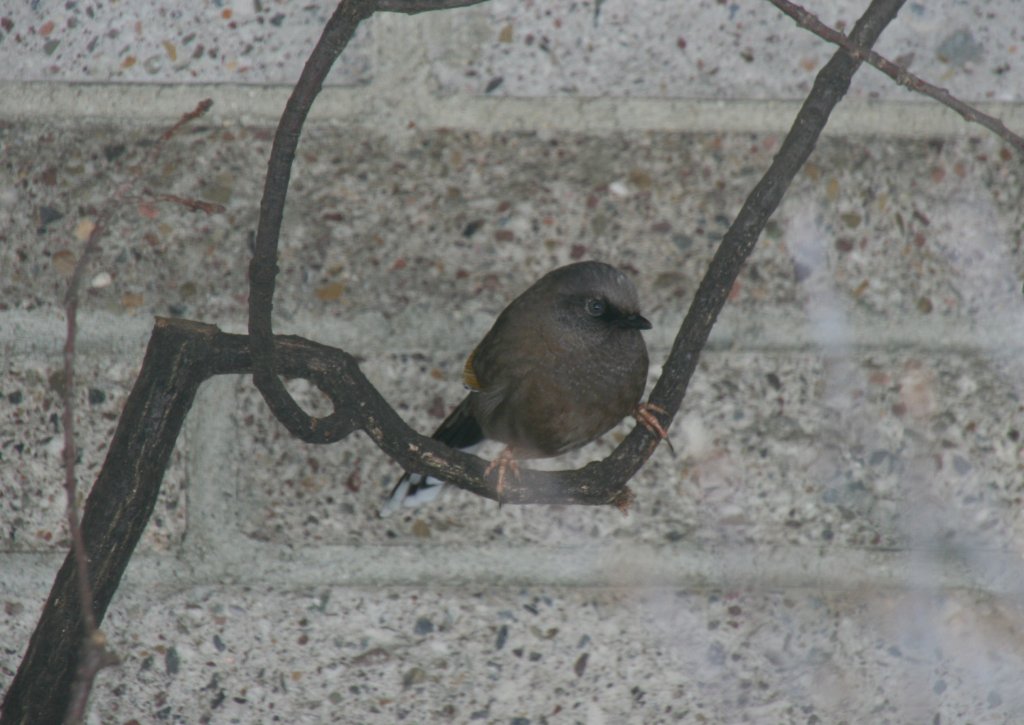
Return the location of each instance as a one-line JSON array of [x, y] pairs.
[[838, 539]]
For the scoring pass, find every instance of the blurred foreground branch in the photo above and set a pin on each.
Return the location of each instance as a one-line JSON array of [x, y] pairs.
[[95, 655]]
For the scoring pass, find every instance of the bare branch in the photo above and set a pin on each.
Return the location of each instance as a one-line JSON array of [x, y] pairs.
[[263, 268], [829, 88], [208, 207], [201, 108], [116, 513], [898, 73], [93, 658]]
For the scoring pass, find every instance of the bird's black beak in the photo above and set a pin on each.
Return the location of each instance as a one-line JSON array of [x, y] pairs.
[[635, 322]]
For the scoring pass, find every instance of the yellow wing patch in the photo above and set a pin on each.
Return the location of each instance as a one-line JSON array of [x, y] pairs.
[[469, 374]]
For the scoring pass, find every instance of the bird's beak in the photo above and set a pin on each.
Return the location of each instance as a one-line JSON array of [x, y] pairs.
[[636, 322]]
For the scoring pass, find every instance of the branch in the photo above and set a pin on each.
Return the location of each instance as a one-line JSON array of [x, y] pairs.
[[116, 513], [263, 267], [830, 85], [208, 207], [898, 73]]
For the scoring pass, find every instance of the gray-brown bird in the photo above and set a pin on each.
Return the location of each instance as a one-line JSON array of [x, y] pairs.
[[563, 364]]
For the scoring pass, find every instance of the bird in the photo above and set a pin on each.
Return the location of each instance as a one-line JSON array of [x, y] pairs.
[[563, 363]]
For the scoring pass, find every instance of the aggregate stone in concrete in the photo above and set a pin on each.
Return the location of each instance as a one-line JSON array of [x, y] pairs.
[[190, 42], [712, 49], [462, 222], [549, 655], [32, 495]]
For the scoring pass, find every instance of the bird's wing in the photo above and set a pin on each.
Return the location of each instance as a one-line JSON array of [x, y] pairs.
[[469, 377], [460, 429]]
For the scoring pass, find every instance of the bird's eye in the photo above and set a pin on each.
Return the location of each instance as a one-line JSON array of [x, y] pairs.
[[595, 307]]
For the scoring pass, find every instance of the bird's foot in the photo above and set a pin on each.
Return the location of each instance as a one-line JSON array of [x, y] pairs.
[[505, 462], [623, 500], [645, 416]]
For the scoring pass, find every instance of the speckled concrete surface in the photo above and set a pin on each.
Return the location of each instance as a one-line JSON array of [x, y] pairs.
[[706, 49], [553, 655], [374, 225], [712, 49], [469, 220], [194, 41], [837, 539], [584, 656]]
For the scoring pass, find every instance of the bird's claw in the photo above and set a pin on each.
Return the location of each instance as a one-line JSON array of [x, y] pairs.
[[623, 500], [504, 462], [645, 416]]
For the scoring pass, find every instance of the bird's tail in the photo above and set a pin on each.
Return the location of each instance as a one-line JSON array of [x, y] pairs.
[[412, 490], [459, 430]]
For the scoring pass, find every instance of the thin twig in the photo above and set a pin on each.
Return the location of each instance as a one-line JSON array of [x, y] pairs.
[[201, 108], [423, 6], [898, 73], [94, 655], [208, 207]]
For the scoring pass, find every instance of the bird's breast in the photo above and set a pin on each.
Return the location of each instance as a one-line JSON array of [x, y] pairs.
[[565, 400]]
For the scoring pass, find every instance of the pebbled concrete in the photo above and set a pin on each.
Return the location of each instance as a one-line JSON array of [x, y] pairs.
[[839, 535]]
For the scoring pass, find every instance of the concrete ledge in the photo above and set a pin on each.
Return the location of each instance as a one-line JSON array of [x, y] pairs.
[[684, 566], [367, 332], [415, 107]]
